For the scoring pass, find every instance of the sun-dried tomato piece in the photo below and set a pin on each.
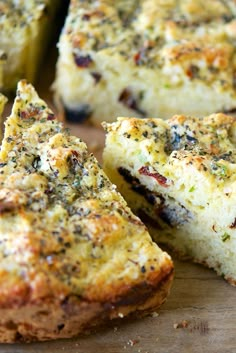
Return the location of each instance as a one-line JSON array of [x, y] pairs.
[[27, 114], [51, 116], [159, 178], [128, 99]]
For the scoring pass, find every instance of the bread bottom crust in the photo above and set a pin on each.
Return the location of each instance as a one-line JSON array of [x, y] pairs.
[[51, 320]]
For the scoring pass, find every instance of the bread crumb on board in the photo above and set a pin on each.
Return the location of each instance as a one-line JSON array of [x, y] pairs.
[[154, 314], [132, 342], [181, 324]]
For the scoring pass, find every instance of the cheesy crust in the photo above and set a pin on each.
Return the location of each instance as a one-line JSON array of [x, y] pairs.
[[148, 58], [70, 247], [25, 28], [179, 176]]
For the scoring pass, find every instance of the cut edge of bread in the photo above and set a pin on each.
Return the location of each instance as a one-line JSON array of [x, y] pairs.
[[124, 135]]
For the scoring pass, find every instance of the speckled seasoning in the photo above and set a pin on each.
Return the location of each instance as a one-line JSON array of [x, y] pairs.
[[72, 254], [26, 28], [179, 176], [154, 58]]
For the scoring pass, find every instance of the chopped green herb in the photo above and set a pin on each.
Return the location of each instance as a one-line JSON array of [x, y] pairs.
[[225, 237], [31, 120], [223, 170], [76, 183], [141, 95], [219, 169], [166, 85], [192, 188]]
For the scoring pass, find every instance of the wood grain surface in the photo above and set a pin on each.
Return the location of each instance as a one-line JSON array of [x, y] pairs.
[[198, 317]]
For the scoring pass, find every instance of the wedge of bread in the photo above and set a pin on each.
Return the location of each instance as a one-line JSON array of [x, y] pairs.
[[149, 58], [179, 176], [25, 30], [72, 254]]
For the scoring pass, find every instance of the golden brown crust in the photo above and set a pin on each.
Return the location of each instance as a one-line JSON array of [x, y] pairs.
[[67, 236], [150, 58], [25, 27], [52, 320]]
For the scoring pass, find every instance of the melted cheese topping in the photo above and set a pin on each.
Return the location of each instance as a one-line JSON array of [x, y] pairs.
[[191, 38], [64, 228], [147, 58], [24, 28]]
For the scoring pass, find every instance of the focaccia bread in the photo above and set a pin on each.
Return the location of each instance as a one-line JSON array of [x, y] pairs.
[[3, 101], [179, 176], [25, 30], [72, 254], [148, 58]]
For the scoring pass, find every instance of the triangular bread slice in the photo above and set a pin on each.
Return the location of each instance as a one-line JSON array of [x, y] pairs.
[[72, 253], [179, 176]]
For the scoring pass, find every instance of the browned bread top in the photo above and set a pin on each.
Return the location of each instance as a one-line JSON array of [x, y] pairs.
[[65, 231]]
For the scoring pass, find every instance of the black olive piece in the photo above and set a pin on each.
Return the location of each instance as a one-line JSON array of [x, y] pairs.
[[78, 115], [36, 162], [191, 139]]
